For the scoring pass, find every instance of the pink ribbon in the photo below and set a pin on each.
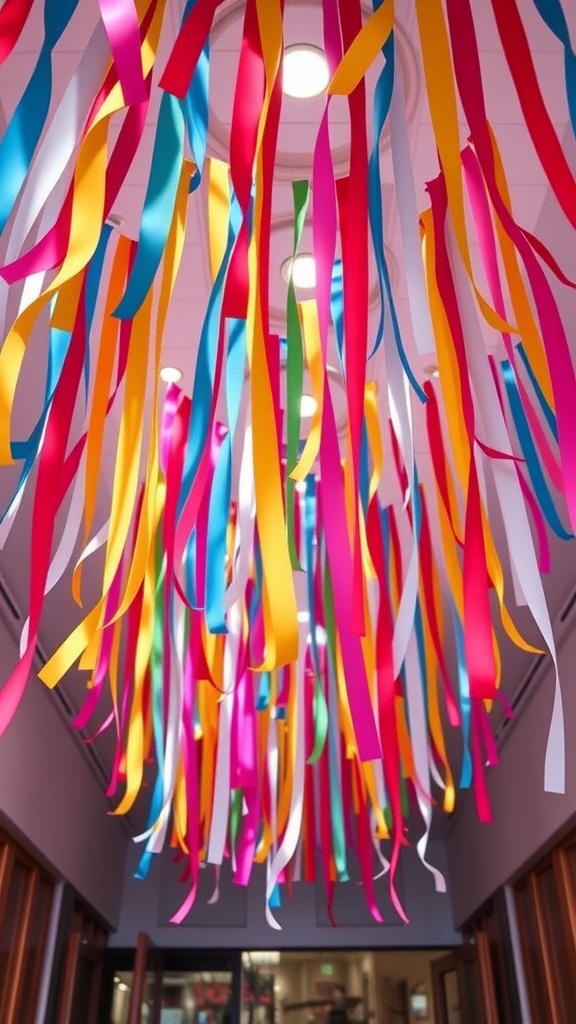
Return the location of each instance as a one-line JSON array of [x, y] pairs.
[[123, 31]]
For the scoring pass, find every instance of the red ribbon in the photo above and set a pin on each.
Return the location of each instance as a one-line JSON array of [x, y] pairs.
[[188, 47], [546, 143], [13, 17], [248, 99]]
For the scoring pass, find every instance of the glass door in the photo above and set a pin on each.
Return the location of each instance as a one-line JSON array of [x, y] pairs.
[[172, 987]]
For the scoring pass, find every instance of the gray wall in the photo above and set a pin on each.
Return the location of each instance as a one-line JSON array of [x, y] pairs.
[[147, 906], [50, 796], [524, 818]]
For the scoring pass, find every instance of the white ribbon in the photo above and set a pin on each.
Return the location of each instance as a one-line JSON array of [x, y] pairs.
[[221, 800], [513, 509], [291, 835], [408, 218]]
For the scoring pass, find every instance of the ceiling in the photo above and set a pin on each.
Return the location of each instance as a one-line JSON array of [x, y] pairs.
[[534, 207]]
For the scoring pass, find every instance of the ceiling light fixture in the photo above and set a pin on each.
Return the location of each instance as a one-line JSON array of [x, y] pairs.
[[170, 374], [302, 270], [304, 71], [308, 406], [303, 616]]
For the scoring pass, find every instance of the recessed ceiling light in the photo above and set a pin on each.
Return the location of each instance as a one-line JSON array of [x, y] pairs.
[[304, 71], [432, 371], [303, 616], [302, 270], [308, 406], [170, 374], [301, 487]]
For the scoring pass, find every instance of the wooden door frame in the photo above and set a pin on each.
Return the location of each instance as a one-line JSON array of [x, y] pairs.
[[477, 953]]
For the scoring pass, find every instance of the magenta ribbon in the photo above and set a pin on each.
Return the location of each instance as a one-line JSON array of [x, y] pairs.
[[123, 31]]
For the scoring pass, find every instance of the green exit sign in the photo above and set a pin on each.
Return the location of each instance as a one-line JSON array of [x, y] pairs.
[[327, 969]]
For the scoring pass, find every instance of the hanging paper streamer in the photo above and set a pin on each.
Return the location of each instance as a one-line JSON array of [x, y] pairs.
[[278, 594]]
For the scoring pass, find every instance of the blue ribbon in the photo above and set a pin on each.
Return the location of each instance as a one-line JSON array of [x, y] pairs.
[[382, 101], [195, 107], [25, 128], [310, 517], [533, 464], [263, 699], [545, 407], [158, 206], [551, 12], [92, 286], [337, 310], [206, 368]]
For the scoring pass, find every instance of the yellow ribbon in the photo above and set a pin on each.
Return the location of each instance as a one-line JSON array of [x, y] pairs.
[[439, 77], [363, 50]]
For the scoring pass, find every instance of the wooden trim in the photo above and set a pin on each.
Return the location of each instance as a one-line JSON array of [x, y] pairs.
[[18, 956], [139, 978], [42, 938], [69, 976], [486, 977], [6, 862], [556, 1015]]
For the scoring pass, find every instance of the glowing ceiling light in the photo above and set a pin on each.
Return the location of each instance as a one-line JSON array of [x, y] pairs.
[[303, 616], [170, 374], [304, 71], [307, 406], [302, 270]]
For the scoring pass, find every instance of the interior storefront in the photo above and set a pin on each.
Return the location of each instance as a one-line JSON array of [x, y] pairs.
[[291, 987]]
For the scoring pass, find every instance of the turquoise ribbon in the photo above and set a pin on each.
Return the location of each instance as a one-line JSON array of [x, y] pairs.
[[530, 454], [204, 377], [465, 702], [159, 205], [157, 693], [222, 482], [25, 128], [551, 12], [196, 105]]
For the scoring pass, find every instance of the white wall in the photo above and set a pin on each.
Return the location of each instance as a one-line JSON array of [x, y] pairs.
[[52, 800]]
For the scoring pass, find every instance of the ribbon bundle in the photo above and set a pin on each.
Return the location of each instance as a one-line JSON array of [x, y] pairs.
[[272, 635]]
